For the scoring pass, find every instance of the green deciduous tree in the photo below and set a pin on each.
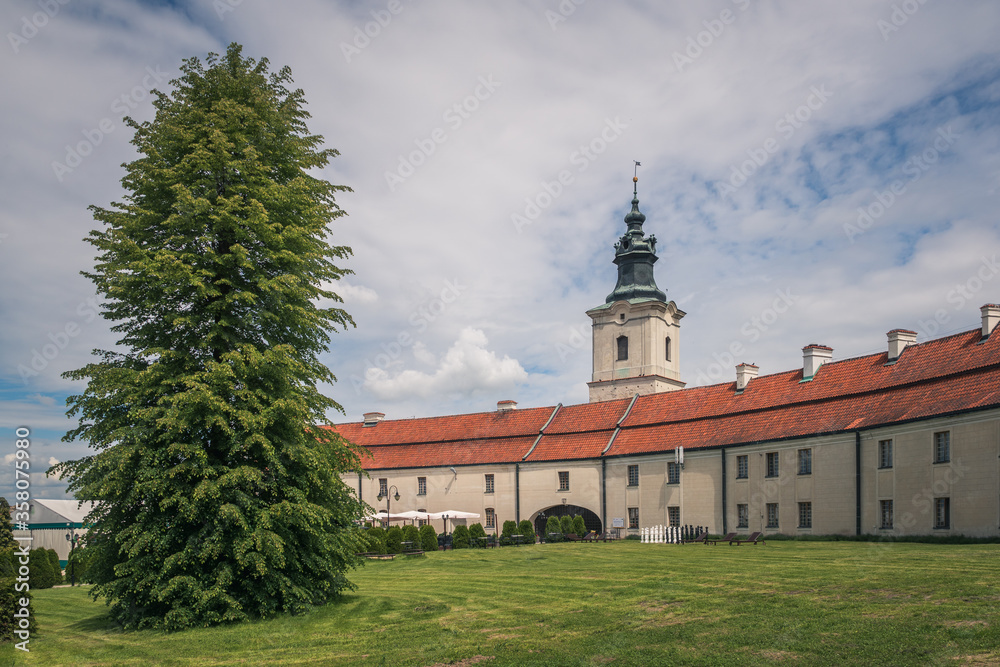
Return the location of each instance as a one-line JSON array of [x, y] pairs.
[[218, 487]]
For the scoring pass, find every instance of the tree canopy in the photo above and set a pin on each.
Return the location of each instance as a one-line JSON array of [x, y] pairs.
[[218, 487]]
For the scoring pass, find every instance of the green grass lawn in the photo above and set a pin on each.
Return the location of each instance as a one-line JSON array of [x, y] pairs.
[[804, 603]]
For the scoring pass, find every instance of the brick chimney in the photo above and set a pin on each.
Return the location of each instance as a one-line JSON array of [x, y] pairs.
[[991, 317], [814, 356], [744, 373], [504, 406], [898, 340], [373, 418]]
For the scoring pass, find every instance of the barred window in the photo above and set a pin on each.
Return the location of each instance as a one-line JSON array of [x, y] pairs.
[[742, 466], [633, 517], [805, 515], [772, 515], [633, 475], [942, 513], [421, 486], [742, 515], [564, 481], [885, 511], [673, 473], [942, 447], [772, 464], [674, 516], [885, 454], [805, 461], [489, 483], [491, 518]]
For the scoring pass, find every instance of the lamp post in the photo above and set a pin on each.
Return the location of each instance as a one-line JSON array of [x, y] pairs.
[[72, 538], [388, 497]]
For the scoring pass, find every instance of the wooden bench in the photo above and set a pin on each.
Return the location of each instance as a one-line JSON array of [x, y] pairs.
[[375, 556], [414, 552], [727, 538]]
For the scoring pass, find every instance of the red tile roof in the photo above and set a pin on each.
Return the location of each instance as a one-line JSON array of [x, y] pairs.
[[938, 377]]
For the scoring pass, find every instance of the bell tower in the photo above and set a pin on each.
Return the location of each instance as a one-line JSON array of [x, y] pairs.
[[636, 331]]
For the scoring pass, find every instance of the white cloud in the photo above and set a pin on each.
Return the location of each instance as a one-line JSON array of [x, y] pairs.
[[355, 293], [467, 367]]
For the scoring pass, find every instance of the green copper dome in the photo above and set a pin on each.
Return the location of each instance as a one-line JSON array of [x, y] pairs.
[[635, 254]]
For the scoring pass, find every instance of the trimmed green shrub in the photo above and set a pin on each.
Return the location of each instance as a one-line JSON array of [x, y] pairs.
[[633, 537], [56, 567], [579, 526], [509, 528], [411, 534], [375, 540], [476, 531], [9, 604], [525, 528], [565, 524], [394, 540], [40, 575], [553, 529], [460, 537], [428, 538]]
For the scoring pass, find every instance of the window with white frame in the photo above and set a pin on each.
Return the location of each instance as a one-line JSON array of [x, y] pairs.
[[885, 453], [772, 464], [491, 518], [674, 516], [772, 515], [742, 515], [633, 517], [942, 447], [805, 461], [633, 475], [564, 480], [673, 473], [421, 486], [489, 483], [805, 515], [942, 513], [885, 512], [742, 466]]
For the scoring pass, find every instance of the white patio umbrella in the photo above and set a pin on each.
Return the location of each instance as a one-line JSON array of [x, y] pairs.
[[452, 514]]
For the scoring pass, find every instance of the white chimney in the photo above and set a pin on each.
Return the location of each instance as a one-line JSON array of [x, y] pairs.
[[373, 418], [744, 373], [899, 339], [991, 317], [503, 406], [814, 356]]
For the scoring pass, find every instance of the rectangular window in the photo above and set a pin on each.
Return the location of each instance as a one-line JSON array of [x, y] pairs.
[[772, 515], [805, 515], [668, 348], [489, 483], [942, 447], [421, 486], [885, 454], [491, 518], [421, 522], [805, 461], [633, 475], [942, 513], [673, 473], [674, 516], [772, 464], [742, 466], [885, 511], [742, 515], [383, 487], [633, 517], [564, 481], [622, 348]]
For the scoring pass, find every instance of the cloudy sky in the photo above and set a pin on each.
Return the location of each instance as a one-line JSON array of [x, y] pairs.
[[816, 172]]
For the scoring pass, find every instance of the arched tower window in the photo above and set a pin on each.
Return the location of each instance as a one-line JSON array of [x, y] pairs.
[[622, 348], [668, 348]]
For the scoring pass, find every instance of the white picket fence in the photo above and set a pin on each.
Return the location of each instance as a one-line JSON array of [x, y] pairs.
[[661, 535]]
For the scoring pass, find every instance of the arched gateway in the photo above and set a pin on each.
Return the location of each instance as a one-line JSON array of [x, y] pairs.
[[591, 520]]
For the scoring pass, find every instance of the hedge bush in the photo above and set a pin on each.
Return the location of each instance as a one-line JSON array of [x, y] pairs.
[[509, 528], [56, 567], [411, 534], [394, 540], [553, 529], [428, 538], [375, 540], [476, 531], [460, 537], [566, 524], [40, 566], [9, 603], [525, 528], [579, 525]]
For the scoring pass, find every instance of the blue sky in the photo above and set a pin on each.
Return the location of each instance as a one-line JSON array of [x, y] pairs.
[[454, 119]]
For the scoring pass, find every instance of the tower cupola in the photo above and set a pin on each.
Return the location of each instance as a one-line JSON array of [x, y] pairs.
[[635, 254]]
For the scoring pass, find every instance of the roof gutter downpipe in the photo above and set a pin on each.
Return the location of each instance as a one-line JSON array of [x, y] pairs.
[[724, 529], [517, 492], [857, 482]]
